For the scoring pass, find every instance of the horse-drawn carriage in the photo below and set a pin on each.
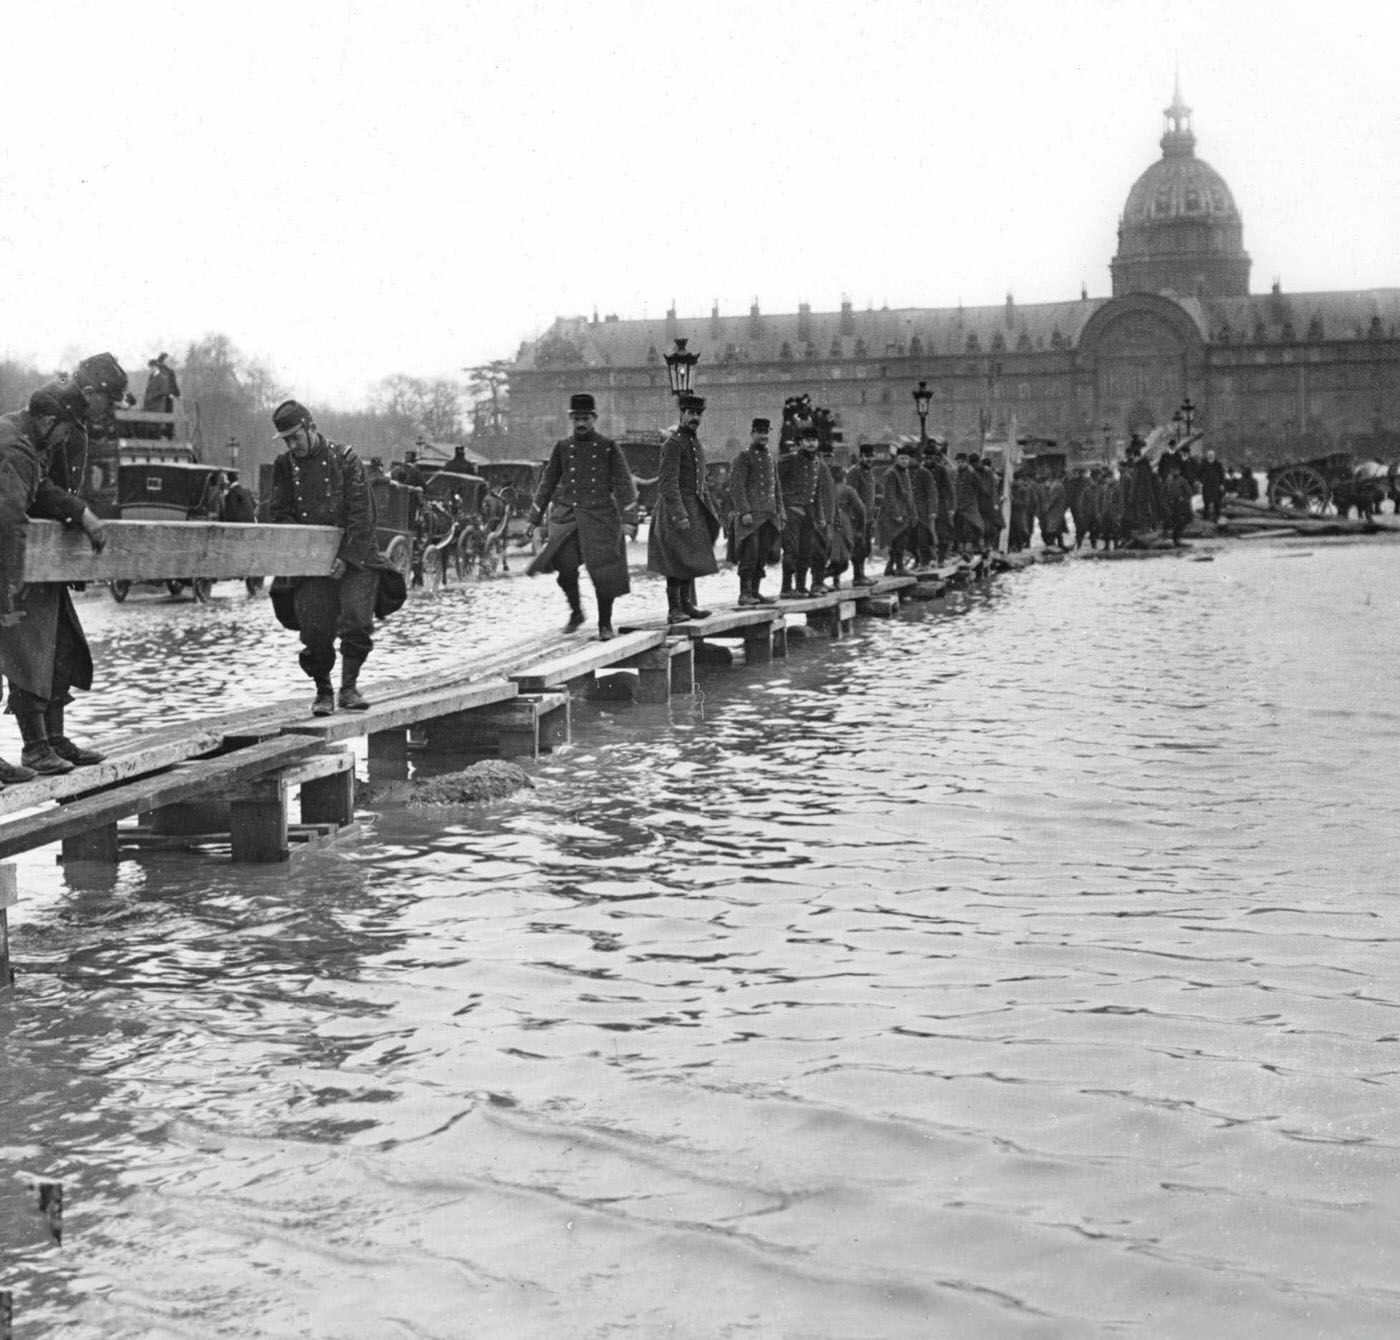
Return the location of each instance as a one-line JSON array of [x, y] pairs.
[[512, 487], [1336, 481]]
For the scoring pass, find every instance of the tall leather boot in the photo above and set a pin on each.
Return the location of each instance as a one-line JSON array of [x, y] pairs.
[[351, 699], [688, 604], [674, 596], [62, 745], [605, 628], [37, 753], [747, 594], [568, 583]]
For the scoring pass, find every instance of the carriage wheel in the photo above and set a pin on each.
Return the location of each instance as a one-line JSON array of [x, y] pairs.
[[120, 590], [1299, 488], [174, 587], [202, 587], [462, 555], [400, 554]]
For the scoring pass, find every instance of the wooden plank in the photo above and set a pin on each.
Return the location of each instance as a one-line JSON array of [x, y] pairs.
[[585, 660], [148, 793], [9, 885], [140, 551], [400, 713], [122, 767]]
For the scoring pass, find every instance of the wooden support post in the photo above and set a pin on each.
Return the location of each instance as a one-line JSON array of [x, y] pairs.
[[654, 681], [619, 687], [712, 653], [780, 641], [388, 755], [683, 669], [98, 844], [555, 722], [758, 644], [7, 1315], [9, 896], [329, 800], [258, 824]]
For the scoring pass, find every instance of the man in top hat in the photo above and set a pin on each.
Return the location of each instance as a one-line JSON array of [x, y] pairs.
[[861, 481], [43, 652], [683, 531], [898, 512], [161, 390], [316, 482], [586, 489], [800, 479], [757, 498]]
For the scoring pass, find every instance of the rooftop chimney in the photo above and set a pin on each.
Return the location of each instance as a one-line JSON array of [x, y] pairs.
[[714, 320], [848, 317], [755, 321], [804, 321]]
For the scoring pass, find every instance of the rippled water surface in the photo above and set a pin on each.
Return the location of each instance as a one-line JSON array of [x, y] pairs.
[[1025, 965]]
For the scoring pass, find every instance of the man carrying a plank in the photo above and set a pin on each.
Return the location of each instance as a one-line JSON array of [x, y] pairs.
[[586, 487], [316, 482], [43, 652]]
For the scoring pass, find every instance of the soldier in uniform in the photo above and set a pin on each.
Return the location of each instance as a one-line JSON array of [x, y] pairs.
[[102, 384], [586, 487], [937, 461], [861, 481], [849, 522], [898, 512], [799, 477], [925, 482], [758, 513], [316, 482], [681, 546], [43, 652], [826, 541]]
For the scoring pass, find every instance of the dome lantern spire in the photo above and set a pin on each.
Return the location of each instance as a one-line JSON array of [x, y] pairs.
[[1177, 137]]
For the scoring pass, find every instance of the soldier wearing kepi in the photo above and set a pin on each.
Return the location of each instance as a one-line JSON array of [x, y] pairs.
[[758, 513], [43, 652], [316, 482], [683, 531], [586, 488], [861, 480], [898, 511]]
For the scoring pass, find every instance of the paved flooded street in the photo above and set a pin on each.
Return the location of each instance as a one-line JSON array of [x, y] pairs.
[[1024, 965]]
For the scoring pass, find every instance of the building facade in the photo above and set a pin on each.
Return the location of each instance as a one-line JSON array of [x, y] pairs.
[[1273, 377]]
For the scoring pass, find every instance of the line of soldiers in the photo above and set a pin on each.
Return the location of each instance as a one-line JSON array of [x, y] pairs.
[[43, 652]]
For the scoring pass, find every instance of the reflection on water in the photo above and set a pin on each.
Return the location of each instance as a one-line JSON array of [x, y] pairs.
[[1022, 968]]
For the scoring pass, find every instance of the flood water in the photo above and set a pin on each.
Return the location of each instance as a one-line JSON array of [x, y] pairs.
[[1025, 965]]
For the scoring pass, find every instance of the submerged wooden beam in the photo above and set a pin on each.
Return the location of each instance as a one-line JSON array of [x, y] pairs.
[[146, 551]]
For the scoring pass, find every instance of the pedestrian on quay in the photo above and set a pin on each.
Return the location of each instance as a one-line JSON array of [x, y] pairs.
[[824, 540], [757, 498], [992, 521], [681, 546], [849, 521], [1022, 512], [316, 482], [894, 527], [43, 652], [586, 491], [1053, 505], [1176, 493], [1211, 474], [862, 481], [1140, 488], [799, 477]]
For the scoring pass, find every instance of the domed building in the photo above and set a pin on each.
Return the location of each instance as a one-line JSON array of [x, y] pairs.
[[1180, 232], [1270, 377]]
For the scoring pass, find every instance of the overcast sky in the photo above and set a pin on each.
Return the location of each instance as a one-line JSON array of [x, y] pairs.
[[350, 188]]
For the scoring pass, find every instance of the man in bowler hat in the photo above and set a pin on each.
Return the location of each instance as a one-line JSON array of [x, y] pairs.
[[316, 482], [586, 488]]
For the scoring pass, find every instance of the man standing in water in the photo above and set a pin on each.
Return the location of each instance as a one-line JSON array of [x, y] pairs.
[[43, 652], [686, 524], [320, 483], [586, 487]]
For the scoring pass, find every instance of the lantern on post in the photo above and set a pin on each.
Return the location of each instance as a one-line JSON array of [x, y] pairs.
[[922, 398], [680, 365], [1188, 414]]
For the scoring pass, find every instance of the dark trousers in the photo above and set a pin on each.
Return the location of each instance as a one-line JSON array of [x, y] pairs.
[[327, 609], [1211, 500], [567, 563], [752, 550], [64, 659], [799, 548], [922, 543]]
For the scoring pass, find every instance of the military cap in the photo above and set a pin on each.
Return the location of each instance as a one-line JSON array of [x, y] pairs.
[[760, 426], [961, 456], [582, 403], [807, 432], [692, 401], [827, 449], [973, 458], [59, 400], [867, 450], [101, 372], [907, 449], [289, 416]]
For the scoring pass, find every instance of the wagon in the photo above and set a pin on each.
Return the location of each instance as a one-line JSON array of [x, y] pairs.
[[1337, 481]]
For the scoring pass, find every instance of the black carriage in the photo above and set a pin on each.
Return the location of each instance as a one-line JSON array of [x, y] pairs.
[[642, 450], [512, 486]]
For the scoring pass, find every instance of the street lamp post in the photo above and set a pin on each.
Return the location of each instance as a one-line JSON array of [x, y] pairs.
[[1178, 426], [680, 366], [1188, 414], [922, 398]]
